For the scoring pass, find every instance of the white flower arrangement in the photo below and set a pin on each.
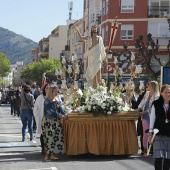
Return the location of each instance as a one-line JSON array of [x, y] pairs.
[[98, 101]]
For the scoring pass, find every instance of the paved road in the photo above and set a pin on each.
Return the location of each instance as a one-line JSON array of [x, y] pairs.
[[17, 155]]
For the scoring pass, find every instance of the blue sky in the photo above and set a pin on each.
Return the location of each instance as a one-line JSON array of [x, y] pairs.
[[35, 19]]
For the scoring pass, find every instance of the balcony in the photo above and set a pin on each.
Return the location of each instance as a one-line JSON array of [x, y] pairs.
[[161, 41], [159, 12], [46, 50], [44, 56], [45, 41]]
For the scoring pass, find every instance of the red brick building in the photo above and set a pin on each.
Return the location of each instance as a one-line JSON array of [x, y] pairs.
[[131, 14]]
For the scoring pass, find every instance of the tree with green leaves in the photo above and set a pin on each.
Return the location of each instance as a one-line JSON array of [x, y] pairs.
[[4, 65], [35, 70]]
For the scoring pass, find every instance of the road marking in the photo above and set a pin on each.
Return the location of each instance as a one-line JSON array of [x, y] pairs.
[[7, 154], [12, 144], [12, 159], [52, 168], [10, 135]]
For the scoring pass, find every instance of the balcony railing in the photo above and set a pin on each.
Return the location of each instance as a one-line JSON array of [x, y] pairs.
[[159, 12], [163, 40], [46, 49], [44, 56], [45, 41]]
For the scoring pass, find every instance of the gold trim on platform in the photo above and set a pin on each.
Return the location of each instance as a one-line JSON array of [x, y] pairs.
[[132, 115]]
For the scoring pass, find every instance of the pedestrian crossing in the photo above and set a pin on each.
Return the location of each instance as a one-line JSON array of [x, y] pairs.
[[13, 144], [51, 168]]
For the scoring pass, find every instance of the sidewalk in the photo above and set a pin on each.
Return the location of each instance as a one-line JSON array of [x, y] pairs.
[[11, 137]]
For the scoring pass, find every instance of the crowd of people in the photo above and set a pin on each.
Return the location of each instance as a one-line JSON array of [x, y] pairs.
[[154, 113], [44, 108], [40, 111]]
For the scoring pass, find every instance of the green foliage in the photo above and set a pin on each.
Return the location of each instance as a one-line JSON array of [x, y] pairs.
[[1, 80], [4, 65], [35, 70]]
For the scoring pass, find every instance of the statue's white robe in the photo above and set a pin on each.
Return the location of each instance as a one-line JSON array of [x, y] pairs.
[[95, 59]]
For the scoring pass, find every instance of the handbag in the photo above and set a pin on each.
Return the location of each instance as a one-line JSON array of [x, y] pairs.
[[29, 105]]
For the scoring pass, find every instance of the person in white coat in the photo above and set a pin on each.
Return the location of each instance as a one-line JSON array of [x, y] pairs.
[[38, 114]]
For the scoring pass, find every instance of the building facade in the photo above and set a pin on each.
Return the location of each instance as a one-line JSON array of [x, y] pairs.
[[57, 41], [132, 16]]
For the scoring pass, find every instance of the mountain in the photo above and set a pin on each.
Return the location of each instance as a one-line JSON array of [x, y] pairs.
[[16, 47]]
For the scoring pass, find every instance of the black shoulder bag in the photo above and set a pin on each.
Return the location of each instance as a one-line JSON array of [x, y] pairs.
[[28, 104]]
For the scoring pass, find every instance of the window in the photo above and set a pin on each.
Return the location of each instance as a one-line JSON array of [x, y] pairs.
[[103, 8], [91, 18], [57, 34], [106, 33], [107, 3], [127, 6], [127, 32]]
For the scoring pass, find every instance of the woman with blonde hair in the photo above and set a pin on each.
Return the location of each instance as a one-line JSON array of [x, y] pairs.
[[51, 124], [144, 109]]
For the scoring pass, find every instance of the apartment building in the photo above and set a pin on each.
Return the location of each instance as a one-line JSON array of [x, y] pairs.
[[91, 14], [76, 44], [132, 16], [35, 54], [43, 49], [68, 47], [136, 18], [158, 26], [52, 46], [15, 71], [57, 41]]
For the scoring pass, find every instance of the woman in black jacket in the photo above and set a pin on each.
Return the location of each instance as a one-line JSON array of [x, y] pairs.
[[160, 119]]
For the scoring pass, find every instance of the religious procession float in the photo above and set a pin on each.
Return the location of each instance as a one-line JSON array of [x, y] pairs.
[[99, 120]]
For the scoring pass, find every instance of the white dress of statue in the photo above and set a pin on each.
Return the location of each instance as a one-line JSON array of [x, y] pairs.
[[95, 54]]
